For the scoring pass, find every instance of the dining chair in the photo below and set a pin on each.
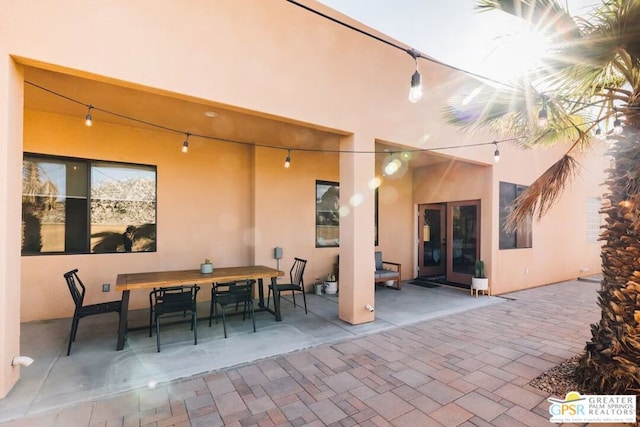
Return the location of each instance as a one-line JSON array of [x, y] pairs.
[[172, 300], [77, 289], [225, 294], [297, 282]]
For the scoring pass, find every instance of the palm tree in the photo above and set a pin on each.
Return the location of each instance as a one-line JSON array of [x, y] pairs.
[[590, 82]]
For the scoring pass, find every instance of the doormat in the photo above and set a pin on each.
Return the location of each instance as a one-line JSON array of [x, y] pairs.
[[423, 283], [435, 281]]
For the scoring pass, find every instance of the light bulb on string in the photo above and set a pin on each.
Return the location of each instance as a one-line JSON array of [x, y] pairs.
[[287, 161], [617, 125], [185, 145], [87, 118], [415, 92], [496, 154], [543, 115]]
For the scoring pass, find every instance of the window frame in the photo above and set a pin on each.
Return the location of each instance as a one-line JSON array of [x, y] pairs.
[[88, 247]]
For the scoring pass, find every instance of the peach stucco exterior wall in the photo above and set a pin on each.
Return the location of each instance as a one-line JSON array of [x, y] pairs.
[[268, 57], [203, 211], [459, 181], [205, 208], [559, 235], [10, 175]]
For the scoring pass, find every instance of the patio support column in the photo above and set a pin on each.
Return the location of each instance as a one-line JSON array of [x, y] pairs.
[[356, 287], [11, 119]]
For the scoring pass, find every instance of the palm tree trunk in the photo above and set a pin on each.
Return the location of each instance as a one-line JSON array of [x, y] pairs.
[[611, 363]]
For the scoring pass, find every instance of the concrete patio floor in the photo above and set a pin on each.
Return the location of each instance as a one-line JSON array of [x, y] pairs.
[[433, 356]]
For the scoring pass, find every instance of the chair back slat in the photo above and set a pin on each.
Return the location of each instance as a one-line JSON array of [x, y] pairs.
[[175, 298], [242, 290], [297, 271], [76, 287]]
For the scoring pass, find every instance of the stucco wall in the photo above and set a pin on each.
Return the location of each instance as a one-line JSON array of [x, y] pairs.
[[206, 208], [560, 249], [203, 211]]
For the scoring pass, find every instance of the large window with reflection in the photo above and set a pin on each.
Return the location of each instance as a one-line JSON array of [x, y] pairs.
[[78, 206], [522, 236]]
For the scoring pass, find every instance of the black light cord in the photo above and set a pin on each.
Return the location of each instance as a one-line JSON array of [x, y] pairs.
[[276, 147], [413, 52], [251, 143]]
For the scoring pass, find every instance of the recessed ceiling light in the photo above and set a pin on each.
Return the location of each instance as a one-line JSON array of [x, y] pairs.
[[211, 114]]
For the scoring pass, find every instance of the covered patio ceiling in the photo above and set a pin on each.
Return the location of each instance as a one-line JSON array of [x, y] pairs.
[[67, 94]]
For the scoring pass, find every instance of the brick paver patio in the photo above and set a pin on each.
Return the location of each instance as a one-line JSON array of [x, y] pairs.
[[466, 369]]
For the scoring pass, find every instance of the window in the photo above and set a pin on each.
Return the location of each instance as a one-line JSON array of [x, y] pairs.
[[86, 206], [327, 214], [522, 237]]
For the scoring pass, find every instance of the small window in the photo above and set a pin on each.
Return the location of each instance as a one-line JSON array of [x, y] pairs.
[[76, 206], [522, 237]]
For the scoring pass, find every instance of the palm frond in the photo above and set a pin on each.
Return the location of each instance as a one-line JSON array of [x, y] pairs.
[[547, 16], [513, 112], [542, 195]]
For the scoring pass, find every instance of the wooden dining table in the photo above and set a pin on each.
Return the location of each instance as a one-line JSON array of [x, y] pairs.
[[128, 282]]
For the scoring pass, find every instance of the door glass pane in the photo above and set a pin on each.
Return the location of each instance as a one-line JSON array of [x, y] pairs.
[[465, 236], [431, 238]]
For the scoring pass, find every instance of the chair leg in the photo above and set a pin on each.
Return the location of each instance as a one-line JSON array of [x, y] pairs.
[[150, 322], [75, 327], [158, 333], [304, 299], [253, 318], [244, 309], [194, 326], [151, 313], [72, 337], [211, 310], [224, 321], [269, 296], [293, 295]]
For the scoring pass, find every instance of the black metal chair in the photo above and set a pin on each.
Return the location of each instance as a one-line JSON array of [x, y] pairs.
[[225, 294], [172, 300], [77, 289], [297, 282]]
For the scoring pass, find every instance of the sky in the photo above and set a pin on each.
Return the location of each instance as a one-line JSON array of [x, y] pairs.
[[453, 32]]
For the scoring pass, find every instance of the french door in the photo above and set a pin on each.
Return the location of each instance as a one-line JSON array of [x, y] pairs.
[[432, 239], [449, 240], [463, 234]]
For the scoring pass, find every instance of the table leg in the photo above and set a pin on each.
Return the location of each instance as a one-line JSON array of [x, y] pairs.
[[260, 294], [276, 298], [122, 327]]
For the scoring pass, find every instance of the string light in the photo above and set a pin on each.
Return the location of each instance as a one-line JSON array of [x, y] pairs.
[[185, 144], [87, 118], [287, 161], [496, 154], [276, 147], [415, 92], [543, 116], [617, 125]]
